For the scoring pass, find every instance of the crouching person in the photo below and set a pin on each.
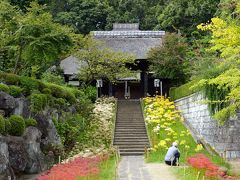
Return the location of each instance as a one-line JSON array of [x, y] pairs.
[[173, 155]]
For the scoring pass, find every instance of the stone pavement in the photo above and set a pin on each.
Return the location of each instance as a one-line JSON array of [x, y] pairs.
[[134, 168]]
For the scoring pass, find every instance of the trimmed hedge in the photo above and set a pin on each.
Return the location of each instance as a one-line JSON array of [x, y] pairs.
[[29, 85], [182, 91], [17, 125]]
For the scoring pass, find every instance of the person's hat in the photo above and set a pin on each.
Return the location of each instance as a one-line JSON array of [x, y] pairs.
[[175, 144]]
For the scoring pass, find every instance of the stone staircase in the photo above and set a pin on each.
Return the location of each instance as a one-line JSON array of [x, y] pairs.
[[130, 131]]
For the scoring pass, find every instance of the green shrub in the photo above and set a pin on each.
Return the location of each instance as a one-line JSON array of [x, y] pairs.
[[10, 79], [84, 106], [15, 91], [59, 103], [41, 85], [70, 97], [46, 91], [30, 122], [4, 88], [52, 78], [57, 91], [70, 130], [38, 102], [2, 125], [7, 126], [28, 85], [91, 93], [17, 125]]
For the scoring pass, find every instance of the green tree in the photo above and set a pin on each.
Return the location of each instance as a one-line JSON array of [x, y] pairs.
[[167, 61], [34, 41], [185, 15], [133, 11], [98, 62], [228, 8], [225, 40], [24, 4], [85, 15]]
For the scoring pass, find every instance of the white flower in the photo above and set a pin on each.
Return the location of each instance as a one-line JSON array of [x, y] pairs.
[[156, 129]]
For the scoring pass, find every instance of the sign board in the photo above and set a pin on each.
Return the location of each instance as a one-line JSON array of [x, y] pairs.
[[156, 82], [99, 83]]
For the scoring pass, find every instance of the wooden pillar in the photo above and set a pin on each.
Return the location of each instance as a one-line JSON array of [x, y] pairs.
[[145, 83]]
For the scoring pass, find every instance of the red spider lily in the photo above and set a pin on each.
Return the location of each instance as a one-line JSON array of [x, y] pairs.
[[201, 162], [79, 167]]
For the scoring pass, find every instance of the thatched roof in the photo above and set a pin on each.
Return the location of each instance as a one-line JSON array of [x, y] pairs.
[[71, 65], [128, 38], [136, 46], [125, 38]]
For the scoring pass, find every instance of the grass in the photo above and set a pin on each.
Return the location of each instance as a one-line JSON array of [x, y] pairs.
[[179, 129], [108, 169]]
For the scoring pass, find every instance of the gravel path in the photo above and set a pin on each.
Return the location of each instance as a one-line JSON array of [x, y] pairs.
[[134, 168]]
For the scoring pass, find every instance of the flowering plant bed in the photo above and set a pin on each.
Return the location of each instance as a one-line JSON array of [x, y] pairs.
[[204, 168], [82, 168], [92, 157], [165, 126]]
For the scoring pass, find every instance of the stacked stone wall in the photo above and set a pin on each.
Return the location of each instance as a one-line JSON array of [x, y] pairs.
[[224, 139]]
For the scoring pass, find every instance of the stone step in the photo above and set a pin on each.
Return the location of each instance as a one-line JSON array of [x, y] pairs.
[[119, 138], [133, 131], [129, 129], [125, 115], [130, 132], [133, 141], [131, 153], [131, 126], [130, 146], [128, 116], [130, 135], [132, 150], [130, 122]]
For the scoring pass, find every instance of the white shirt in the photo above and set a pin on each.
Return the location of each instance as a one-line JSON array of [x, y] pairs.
[[171, 153]]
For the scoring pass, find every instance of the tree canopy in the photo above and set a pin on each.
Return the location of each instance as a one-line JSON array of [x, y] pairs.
[[167, 60], [99, 62], [31, 41], [226, 39], [170, 15]]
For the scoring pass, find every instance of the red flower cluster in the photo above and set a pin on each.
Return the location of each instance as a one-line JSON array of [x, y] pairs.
[[79, 167], [201, 162]]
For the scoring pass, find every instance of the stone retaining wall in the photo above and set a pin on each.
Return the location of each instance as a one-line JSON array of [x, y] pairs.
[[224, 139]]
